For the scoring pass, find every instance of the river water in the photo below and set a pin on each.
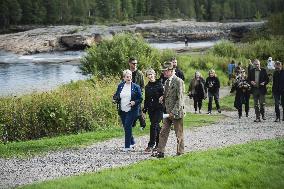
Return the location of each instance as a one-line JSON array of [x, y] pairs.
[[45, 71]]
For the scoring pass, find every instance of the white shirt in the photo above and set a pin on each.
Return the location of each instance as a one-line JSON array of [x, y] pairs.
[[125, 97], [270, 65]]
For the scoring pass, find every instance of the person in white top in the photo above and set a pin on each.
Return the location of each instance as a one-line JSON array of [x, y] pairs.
[[128, 97], [270, 64]]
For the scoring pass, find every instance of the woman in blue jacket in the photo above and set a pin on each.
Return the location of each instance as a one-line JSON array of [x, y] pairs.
[[128, 96]]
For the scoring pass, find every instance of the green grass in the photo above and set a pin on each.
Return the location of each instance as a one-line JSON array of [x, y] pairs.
[[227, 102], [254, 165], [33, 147]]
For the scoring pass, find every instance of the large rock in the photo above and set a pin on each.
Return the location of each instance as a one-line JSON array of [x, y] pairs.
[[55, 38], [77, 41]]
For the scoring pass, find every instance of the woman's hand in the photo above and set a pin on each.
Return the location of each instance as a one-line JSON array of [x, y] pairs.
[[131, 103]]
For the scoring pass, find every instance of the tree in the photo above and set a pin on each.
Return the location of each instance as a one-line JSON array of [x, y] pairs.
[[15, 11], [4, 14]]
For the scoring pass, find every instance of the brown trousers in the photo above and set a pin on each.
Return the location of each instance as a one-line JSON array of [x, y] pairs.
[[165, 131]]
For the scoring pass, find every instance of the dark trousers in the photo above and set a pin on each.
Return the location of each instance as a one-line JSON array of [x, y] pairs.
[[259, 103], [141, 120], [240, 109], [127, 120], [155, 119], [216, 99], [278, 99], [197, 102]]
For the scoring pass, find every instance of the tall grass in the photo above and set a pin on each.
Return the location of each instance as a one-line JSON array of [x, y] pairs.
[[77, 107]]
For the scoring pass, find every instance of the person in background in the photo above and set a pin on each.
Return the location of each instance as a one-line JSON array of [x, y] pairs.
[[137, 78], [278, 94], [270, 64], [242, 88], [231, 67], [173, 100], [258, 79], [178, 72], [128, 96], [186, 40], [250, 65], [153, 91], [197, 91], [213, 85], [238, 69]]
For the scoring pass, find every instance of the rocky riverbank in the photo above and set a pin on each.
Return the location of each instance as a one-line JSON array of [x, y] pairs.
[[60, 38]]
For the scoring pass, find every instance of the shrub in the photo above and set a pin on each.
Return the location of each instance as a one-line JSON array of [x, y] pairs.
[[111, 56], [226, 49]]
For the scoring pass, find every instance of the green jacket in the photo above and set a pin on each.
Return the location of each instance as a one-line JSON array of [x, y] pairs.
[[139, 79]]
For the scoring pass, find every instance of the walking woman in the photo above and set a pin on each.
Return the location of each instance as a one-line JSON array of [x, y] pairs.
[[213, 85], [153, 91], [128, 96], [242, 88], [197, 91]]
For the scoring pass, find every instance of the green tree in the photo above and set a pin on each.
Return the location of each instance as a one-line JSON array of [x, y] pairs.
[[4, 14], [15, 11]]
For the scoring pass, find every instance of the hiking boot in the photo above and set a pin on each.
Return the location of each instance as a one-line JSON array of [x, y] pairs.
[[219, 111]]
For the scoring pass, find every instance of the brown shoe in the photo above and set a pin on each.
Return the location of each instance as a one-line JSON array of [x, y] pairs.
[[148, 150]]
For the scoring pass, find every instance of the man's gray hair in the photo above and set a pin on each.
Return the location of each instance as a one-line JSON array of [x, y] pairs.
[[125, 72]]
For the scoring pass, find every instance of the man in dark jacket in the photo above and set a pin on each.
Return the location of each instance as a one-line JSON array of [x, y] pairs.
[[178, 72], [258, 79], [278, 89]]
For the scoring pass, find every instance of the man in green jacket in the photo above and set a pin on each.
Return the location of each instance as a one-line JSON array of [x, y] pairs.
[[137, 78]]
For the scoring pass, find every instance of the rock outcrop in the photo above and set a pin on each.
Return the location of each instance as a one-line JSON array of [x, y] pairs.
[[58, 38]]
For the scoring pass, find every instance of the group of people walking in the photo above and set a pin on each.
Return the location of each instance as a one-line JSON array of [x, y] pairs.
[[164, 99]]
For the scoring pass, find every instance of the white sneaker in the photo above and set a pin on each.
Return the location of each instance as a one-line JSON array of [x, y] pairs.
[[126, 149]]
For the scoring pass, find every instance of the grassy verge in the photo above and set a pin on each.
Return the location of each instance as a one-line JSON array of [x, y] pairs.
[[254, 165], [33, 147], [227, 102]]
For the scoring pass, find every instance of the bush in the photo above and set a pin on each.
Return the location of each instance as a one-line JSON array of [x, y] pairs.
[[226, 49], [77, 107], [111, 56]]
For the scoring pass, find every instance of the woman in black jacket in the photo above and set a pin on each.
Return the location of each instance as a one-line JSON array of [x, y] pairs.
[[153, 91], [213, 86], [197, 91], [242, 88]]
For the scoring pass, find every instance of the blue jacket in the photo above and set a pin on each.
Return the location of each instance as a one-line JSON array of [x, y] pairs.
[[136, 96]]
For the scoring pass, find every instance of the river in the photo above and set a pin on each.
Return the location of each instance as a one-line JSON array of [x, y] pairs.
[[40, 72]]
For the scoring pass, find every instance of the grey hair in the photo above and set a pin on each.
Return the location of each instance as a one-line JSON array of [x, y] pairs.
[[150, 71], [125, 72]]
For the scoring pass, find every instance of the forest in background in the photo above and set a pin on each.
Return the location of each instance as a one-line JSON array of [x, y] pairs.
[[59, 12]]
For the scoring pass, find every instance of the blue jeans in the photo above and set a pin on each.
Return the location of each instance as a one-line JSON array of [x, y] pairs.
[[127, 119]]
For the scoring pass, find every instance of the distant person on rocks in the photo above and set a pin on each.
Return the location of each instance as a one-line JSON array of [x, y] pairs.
[[128, 97], [197, 91], [278, 89], [242, 88], [231, 67], [137, 78], [186, 40], [258, 79], [153, 91], [213, 85], [178, 72], [173, 100]]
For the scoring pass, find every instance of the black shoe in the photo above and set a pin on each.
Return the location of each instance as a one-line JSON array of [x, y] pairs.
[[277, 119], [178, 153], [257, 120], [263, 117], [160, 155], [219, 111], [247, 114]]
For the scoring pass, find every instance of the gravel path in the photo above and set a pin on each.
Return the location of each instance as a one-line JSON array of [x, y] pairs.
[[228, 131]]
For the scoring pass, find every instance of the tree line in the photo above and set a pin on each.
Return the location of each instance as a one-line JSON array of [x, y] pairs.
[[21, 12]]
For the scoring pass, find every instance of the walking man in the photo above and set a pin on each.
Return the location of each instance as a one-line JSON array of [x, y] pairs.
[[178, 72], [173, 100], [137, 78], [277, 90], [258, 79]]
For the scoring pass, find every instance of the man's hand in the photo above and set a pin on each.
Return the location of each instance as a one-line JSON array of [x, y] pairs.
[[161, 99], [171, 115], [263, 83], [253, 83]]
